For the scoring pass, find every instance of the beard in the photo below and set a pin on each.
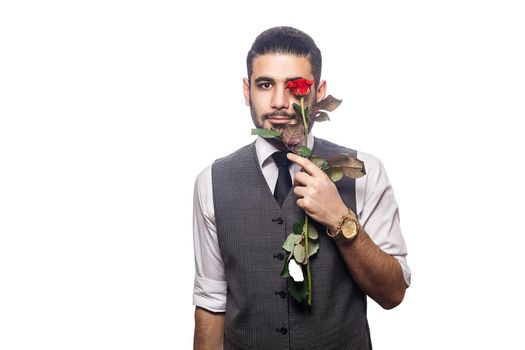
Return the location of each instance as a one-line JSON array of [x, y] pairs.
[[258, 121], [292, 134]]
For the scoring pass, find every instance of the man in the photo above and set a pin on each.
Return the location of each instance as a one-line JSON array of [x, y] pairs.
[[241, 299]]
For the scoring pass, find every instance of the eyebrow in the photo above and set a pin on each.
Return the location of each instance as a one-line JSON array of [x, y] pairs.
[[271, 80]]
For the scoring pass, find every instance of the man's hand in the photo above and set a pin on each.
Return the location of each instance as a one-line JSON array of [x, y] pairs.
[[317, 194], [378, 274]]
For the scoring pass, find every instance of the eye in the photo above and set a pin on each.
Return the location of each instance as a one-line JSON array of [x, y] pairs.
[[265, 85]]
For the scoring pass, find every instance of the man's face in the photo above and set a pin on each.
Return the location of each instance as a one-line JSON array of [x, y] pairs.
[[271, 104]]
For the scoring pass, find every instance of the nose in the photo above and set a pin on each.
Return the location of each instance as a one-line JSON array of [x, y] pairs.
[[280, 98]]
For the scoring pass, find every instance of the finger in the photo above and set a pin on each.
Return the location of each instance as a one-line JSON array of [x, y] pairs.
[[302, 178], [299, 191], [306, 164], [301, 203]]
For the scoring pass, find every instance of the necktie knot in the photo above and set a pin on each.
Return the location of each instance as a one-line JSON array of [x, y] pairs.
[[281, 159]]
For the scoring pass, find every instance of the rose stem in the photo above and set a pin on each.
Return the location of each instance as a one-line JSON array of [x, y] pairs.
[[306, 239]]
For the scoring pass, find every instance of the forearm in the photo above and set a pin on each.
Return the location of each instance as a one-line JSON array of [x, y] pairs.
[[209, 330], [377, 274]]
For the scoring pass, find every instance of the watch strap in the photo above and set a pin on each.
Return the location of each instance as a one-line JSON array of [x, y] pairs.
[[349, 215]]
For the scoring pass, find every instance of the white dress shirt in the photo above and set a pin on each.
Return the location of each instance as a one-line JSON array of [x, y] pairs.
[[376, 207]]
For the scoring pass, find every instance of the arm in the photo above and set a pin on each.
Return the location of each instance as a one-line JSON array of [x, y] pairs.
[[209, 330], [377, 274], [209, 292]]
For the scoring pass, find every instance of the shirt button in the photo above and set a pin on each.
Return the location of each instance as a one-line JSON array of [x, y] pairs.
[[282, 294], [282, 330], [279, 256], [278, 220]]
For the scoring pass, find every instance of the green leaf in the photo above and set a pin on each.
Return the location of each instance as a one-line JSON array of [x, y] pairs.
[[266, 133], [297, 109], [312, 231], [298, 227], [298, 290], [285, 272], [304, 151], [320, 162], [299, 254], [291, 241], [321, 116], [335, 174], [313, 247]]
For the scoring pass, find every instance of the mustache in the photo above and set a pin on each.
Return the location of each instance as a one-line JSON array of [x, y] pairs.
[[279, 114]]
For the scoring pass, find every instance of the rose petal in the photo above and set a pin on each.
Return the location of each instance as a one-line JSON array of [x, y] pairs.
[[295, 271], [300, 87]]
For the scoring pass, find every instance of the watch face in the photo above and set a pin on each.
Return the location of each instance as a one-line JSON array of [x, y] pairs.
[[349, 228]]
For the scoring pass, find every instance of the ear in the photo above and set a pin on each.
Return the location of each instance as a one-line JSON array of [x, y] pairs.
[[246, 91], [321, 90]]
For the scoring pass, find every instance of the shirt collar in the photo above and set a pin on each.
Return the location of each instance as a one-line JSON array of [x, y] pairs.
[[264, 149]]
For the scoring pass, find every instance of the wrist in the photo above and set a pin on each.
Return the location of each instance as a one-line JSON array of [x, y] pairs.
[[333, 224], [347, 228]]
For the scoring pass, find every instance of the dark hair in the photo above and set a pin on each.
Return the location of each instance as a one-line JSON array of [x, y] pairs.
[[286, 40]]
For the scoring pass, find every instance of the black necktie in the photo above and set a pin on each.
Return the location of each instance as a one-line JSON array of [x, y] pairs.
[[284, 181]]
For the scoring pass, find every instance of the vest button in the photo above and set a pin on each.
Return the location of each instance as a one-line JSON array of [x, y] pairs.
[[278, 220], [279, 256], [282, 294], [282, 330]]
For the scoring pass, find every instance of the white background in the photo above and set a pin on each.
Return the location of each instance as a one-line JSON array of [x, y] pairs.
[[109, 109]]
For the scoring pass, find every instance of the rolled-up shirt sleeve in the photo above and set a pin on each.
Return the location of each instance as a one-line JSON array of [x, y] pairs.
[[210, 286], [378, 211]]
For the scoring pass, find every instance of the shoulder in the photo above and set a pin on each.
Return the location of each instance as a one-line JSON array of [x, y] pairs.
[[234, 156], [373, 165], [203, 178], [375, 182], [323, 146], [205, 173], [373, 162]]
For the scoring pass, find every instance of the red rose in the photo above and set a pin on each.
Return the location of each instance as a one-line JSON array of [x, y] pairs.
[[300, 87]]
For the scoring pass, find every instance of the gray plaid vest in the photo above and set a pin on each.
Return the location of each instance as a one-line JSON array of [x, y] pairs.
[[251, 227]]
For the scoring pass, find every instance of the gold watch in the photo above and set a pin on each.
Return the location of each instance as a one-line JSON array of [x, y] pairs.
[[347, 228]]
